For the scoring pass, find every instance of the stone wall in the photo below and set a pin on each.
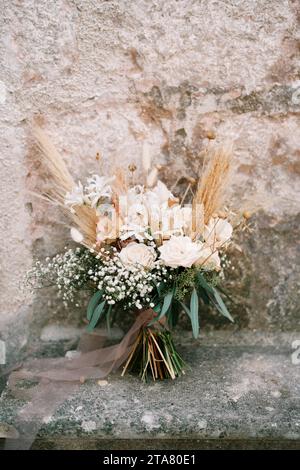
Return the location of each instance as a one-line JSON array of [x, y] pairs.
[[106, 76]]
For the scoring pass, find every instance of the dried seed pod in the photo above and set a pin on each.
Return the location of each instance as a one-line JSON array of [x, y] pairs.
[[211, 135], [132, 167], [246, 215]]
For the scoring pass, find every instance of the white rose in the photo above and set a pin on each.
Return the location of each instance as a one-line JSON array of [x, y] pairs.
[[138, 254], [209, 259], [180, 251], [217, 232]]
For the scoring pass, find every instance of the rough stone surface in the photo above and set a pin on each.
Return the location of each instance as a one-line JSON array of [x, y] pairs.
[[60, 333], [242, 391], [100, 76]]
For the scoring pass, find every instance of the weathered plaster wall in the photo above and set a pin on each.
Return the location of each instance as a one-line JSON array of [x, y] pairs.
[[108, 75]]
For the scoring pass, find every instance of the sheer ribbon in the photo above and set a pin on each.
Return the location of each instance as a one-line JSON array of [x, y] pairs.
[[58, 379]]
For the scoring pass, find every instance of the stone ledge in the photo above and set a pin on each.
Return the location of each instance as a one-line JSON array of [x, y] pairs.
[[166, 444], [241, 392]]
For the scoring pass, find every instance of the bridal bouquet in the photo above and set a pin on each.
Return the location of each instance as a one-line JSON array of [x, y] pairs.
[[142, 250]]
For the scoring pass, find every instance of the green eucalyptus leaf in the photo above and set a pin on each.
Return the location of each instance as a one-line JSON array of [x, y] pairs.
[[96, 316], [167, 302], [165, 307], [159, 287], [108, 322], [204, 284], [224, 292], [194, 309], [157, 308], [93, 303], [173, 313], [221, 306], [203, 294], [186, 309], [214, 297]]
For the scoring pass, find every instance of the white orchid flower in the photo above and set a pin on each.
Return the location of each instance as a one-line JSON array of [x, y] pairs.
[[98, 187], [76, 196]]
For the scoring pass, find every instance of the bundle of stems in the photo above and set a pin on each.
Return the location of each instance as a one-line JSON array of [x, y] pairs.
[[154, 354]]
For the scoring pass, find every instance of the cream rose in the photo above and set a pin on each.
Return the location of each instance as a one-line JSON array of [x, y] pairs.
[[137, 254], [217, 232], [180, 251]]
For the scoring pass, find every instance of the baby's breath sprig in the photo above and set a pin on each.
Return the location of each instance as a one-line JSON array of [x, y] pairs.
[[67, 271], [131, 285]]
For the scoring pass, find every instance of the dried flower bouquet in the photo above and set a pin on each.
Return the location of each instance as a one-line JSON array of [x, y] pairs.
[[141, 250]]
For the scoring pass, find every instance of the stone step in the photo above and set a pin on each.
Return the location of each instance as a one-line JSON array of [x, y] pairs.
[[242, 391]]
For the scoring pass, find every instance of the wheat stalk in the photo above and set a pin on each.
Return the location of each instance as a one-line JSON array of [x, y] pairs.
[[213, 185]]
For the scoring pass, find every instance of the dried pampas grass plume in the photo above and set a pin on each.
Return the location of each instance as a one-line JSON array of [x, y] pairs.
[[197, 219], [84, 217], [61, 178], [214, 182]]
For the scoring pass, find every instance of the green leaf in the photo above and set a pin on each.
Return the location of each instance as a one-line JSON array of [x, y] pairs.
[[194, 309], [203, 294], [165, 307], [224, 292], [157, 308], [214, 297], [173, 313], [159, 287], [186, 309], [221, 306], [93, 303], [203, 283], [108, 323], [96, 316]]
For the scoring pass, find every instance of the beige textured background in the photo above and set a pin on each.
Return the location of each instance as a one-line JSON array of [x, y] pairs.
[[107, 76]]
